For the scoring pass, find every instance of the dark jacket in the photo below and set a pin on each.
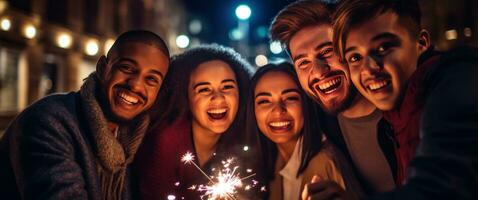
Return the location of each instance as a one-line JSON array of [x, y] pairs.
[[385, 139], [445, 165], [50, 152]]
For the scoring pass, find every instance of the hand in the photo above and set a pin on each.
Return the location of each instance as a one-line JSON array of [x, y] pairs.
[[325, 190]]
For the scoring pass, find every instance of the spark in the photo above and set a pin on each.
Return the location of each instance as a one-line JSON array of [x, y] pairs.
[[224, 184]]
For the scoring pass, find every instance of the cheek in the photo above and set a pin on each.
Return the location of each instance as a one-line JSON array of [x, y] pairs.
[[303, 77], [197, 104], [261, 116], [298, 115]]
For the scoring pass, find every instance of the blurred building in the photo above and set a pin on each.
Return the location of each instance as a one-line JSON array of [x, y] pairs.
[[49, 46], [450, 22]]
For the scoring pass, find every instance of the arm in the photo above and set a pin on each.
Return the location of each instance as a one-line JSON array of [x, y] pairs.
[[43, 159]]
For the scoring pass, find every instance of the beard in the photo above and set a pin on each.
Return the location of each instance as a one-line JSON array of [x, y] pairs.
[[336, 107]]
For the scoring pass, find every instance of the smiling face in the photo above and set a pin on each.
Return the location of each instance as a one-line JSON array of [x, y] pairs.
[[131, 78], [320, 72], [213, 96], [382, 56], [278, 107]]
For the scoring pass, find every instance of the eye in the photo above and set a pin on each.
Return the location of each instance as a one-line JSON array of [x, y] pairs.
[[354, 58], [204, 90], [293, 98], [326, 53], [228, 87], [262, 101], [153, 81], [126, 68], [302, 64], [386, 47]]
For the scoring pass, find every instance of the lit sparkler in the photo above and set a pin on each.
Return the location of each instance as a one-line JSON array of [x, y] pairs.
[[225, 184]]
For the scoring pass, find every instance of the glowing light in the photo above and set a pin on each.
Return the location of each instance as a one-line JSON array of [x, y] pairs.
[[108, 44], [29, 31], [451, 34], [171, 197], [275, 47], [243, 12], [261, 60], [467, 32], [195, 26], [5, 24], [236, 34], [92, 47], [64, 40], [246, 148], [182, 41]]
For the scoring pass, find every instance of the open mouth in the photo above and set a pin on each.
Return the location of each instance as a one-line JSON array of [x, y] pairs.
[[329, 86], [280, 125], [217, 114], [127, 98], [377, 85]]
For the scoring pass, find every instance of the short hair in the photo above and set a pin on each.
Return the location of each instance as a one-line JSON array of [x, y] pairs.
[[140, 36], [352, 13], [299, 15]]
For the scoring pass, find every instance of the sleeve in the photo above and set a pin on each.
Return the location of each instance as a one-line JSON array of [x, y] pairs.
[[325, 167], [43, 159], [446, 163]]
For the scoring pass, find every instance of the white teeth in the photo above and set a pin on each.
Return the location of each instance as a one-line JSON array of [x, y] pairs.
[[217, 111], [127, 98], [279, 124], [378, 85], [328, 84]]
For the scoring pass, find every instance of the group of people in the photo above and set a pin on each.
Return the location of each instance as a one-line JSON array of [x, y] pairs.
[[367, 109]]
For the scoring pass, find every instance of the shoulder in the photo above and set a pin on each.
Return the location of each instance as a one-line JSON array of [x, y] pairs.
[[56, 106]]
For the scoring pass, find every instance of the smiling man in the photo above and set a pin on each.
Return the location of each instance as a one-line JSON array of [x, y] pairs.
[[429, 97], [354, 125], [79, 145]]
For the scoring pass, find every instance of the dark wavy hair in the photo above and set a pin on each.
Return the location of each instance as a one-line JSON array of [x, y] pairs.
[[311, 131], [173, 97]]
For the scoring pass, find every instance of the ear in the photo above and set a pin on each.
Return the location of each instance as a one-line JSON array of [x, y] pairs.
[[101, 67], [423, 41]]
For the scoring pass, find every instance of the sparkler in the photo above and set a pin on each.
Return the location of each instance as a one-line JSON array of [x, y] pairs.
[[225, 183]]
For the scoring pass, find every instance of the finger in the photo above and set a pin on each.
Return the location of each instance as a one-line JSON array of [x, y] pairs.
[[319, 186], [315, 178], [327, 194], [305, 192]]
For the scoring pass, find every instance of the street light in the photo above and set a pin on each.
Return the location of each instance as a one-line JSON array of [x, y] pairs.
[[243, 12], [182, 41]]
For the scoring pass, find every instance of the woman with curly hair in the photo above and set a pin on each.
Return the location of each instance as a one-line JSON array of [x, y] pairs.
[[202, 112]]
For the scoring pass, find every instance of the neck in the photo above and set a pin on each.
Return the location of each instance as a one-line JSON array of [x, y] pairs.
[[205, 142], [359, 108], [286, 149]]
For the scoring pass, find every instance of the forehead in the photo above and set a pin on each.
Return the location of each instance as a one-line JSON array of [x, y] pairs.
[[364, 34], [306, 39], [275, 82], [212, 70]]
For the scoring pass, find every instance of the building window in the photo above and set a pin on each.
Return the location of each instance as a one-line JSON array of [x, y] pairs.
[[9, 86]]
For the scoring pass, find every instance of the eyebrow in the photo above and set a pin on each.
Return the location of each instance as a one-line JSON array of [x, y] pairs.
[[381, 36], [200, 84], [228, 80], [263, 94], [318, 47], [290, 90], [157, 73]]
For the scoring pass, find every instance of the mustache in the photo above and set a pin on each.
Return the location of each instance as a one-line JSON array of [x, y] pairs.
[[330, 74], [127, 87]]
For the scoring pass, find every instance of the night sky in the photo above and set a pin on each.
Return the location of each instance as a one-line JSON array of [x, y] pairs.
[[218, 17]]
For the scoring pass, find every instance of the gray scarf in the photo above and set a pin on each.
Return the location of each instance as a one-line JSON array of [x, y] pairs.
[[113, 154]]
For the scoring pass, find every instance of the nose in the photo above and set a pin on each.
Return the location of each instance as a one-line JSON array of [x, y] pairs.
[[320, 68], [372, 64], [217, 96], [279, 108], [136, 84]]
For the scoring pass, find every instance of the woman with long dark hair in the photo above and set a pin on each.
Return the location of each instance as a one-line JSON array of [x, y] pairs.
[[201, 111], [289, 138]]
